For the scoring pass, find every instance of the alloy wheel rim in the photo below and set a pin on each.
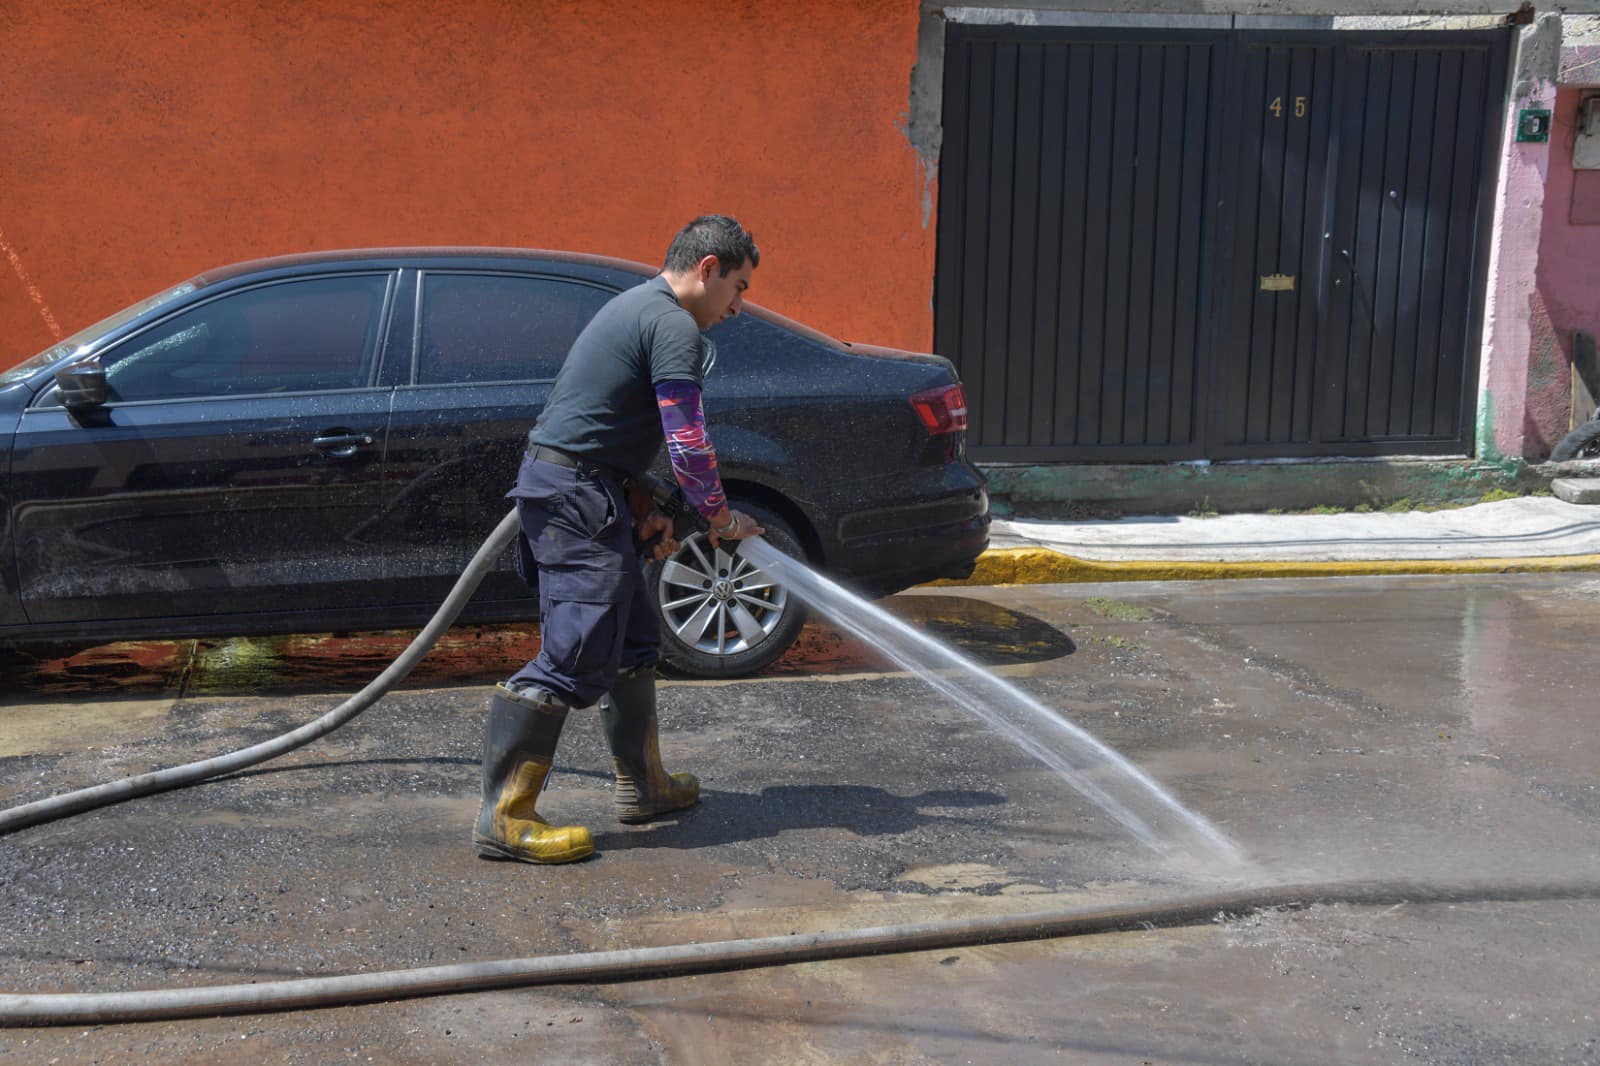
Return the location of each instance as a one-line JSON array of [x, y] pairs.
[[717, 602]]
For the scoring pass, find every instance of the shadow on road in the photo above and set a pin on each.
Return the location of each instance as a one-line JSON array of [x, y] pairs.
[[731, 817]]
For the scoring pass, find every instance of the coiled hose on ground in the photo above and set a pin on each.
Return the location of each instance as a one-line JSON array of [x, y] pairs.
[[17, 1009]]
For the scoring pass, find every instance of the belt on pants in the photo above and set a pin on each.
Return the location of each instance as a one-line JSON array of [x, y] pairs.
[[546, 454]]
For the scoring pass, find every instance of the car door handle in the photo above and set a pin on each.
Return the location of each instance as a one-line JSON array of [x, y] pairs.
[[343, 445]]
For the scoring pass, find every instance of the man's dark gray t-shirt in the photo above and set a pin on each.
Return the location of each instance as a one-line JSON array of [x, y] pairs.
[[603, 404]]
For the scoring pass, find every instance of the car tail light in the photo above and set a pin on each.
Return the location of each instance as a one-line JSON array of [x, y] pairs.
[[943, 410]]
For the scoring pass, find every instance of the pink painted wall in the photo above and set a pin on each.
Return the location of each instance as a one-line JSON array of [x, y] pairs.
[[1569, 268], [1509, 336]]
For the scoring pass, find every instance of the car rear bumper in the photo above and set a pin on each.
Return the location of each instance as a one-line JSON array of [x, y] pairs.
[[888, 548]]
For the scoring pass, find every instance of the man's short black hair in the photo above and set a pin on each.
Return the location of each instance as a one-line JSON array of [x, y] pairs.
[[716, 235]]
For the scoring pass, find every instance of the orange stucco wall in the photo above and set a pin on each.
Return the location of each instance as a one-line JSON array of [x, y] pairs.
[[143, 142]]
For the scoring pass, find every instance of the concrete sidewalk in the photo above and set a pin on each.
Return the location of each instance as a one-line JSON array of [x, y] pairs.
[[1532, 533]]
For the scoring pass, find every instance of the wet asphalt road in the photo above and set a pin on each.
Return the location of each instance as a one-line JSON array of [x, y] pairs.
[[1429, 728]]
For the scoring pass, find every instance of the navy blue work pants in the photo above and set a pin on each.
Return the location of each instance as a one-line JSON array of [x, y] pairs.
[[595, 616]]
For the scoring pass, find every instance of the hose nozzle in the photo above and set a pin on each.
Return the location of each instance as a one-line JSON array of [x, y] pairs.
[[669, 500]]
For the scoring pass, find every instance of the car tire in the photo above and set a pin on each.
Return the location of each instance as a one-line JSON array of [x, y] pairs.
[[1581, 443], [699, 634]]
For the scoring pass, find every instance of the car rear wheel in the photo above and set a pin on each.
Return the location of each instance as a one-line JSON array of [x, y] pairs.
[[720, 615]]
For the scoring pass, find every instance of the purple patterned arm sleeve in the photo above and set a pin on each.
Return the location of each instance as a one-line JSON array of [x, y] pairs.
[[693, 460]]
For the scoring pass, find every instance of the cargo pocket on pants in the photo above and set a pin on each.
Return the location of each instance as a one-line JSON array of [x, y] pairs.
[[581, 625], [593, 506]]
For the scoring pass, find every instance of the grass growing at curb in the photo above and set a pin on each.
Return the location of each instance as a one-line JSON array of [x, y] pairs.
[[1122, 612], [1407, 504]]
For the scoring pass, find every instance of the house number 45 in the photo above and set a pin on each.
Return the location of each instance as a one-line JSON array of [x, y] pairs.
[[1276, 107]]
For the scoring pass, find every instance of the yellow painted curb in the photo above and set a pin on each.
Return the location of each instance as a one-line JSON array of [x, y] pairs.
[[1037, 566]]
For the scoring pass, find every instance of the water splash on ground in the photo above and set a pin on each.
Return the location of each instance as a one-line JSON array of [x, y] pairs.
[[1110, 781]]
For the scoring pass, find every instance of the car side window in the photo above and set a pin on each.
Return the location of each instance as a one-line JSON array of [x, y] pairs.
[[500, 327], [294, 336]]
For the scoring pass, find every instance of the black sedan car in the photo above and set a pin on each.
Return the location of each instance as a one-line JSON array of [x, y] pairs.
[[322, 441]]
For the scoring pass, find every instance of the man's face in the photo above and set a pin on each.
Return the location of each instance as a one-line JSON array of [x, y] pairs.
[[722, 297]]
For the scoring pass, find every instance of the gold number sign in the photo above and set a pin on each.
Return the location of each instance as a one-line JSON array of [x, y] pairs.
[[1301, 107]]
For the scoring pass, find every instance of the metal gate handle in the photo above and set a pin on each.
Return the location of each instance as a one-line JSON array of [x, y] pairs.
[[344, 445], [1355, 275]]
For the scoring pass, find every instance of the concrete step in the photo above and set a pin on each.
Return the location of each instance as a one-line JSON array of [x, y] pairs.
[[1577, 489]]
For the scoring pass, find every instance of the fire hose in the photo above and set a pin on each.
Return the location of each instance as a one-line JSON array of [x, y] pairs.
[[19, 1009]]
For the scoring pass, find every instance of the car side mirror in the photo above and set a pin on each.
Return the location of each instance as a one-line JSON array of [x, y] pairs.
[[82, 384]]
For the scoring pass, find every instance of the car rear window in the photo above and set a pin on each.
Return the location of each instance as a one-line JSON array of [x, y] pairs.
[[499, 327], [766, 314]]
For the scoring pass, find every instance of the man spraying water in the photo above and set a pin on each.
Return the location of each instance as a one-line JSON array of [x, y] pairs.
[[631, 380]]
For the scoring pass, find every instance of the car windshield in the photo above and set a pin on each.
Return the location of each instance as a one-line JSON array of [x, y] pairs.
[[71, 344]]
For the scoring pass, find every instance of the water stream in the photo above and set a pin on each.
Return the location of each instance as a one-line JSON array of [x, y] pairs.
[[1110, 781]]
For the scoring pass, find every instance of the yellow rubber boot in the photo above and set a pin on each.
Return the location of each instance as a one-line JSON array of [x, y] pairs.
[[518, 745], [644, 789]]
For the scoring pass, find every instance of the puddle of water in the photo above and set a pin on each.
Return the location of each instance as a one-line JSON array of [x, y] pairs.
[[469, 654], [1106, 778], [123, 666], [953, 877]]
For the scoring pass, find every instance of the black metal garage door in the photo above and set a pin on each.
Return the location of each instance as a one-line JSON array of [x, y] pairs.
[[1184, 245]]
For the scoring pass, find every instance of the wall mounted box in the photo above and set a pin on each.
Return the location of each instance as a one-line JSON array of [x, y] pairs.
[[1533, 125]]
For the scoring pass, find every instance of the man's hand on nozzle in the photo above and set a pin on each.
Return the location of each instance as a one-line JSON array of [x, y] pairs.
[[657, 524], [735, 526]]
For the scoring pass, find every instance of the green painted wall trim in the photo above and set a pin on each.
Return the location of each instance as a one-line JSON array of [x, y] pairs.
[[1488, 447], [1089, 490]]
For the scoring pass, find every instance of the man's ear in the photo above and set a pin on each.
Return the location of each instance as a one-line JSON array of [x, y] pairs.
[[704, 268]]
